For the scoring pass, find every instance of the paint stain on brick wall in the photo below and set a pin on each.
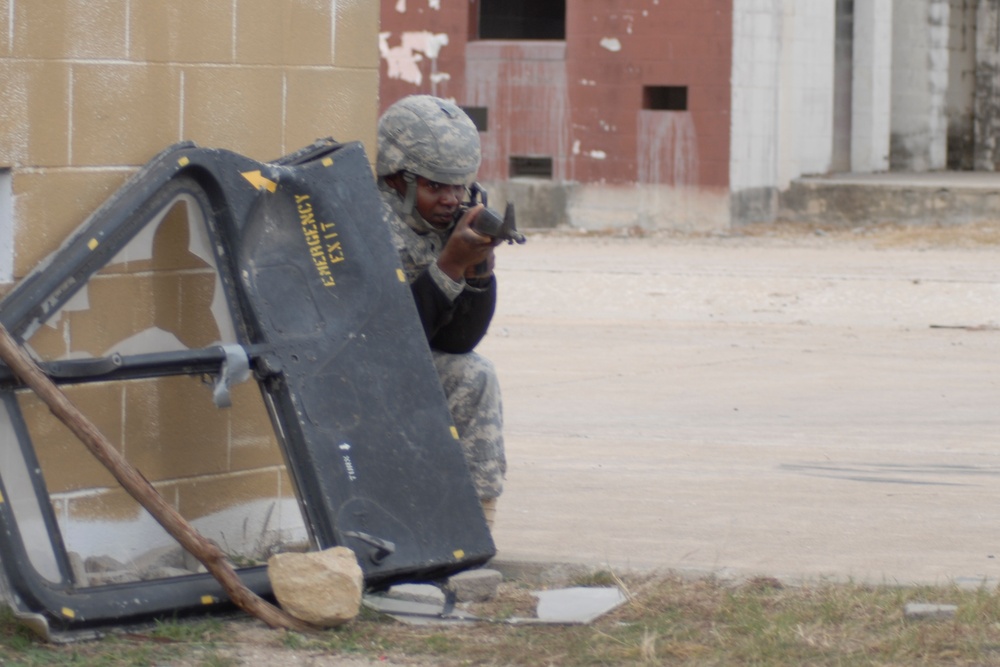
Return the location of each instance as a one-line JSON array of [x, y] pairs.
[[667, 148], [577, 101], [524, 86], [404, 60]]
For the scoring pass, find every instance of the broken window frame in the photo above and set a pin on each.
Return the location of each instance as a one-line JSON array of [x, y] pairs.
[[525, 20], [210, 178], [42, 293]]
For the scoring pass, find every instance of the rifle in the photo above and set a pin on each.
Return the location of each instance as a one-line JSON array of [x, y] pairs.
[[489, 222]]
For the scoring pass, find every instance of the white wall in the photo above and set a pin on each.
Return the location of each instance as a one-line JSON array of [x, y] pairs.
[[987, 93], [755, 87], [810, 32], [872, 91], [960, 99], [783, 83], [919, 84]]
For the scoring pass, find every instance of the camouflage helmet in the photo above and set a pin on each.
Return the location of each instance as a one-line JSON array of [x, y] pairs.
[[430, 137]]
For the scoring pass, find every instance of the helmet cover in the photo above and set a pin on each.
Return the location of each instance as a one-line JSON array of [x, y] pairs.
[[430, 137]]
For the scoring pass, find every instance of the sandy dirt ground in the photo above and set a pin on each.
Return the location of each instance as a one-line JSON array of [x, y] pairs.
[[817, 405], [802, 405]]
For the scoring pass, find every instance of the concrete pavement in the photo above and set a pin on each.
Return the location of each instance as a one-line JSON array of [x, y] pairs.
[[803, 409]]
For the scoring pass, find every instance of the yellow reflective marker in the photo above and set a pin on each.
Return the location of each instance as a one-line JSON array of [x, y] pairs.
[[184, 162], [207, 599], [92, 243], [458, 553], [401, 275], [1, 498], [327, 161], [68, 613], [259, 181], [454, 432]]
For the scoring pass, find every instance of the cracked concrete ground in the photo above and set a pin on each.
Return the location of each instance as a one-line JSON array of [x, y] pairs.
[[807, 408]]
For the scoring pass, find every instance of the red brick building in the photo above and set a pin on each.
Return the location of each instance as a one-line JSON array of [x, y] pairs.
[[702, 114], [580, 101]]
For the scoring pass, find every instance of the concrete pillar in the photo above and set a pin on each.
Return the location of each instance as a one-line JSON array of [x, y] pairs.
[[783, 98], [755, 135], [871, 93], [919, 134], [843, 78], [960, 104], [987, 102], [808, 32]]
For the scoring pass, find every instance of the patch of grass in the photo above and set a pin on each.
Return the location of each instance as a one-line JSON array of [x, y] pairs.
[[294, 641], [199, 630], [668, 620], [596, 578]]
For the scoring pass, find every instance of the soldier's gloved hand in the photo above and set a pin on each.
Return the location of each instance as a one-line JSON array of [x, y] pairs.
[[467, 249]]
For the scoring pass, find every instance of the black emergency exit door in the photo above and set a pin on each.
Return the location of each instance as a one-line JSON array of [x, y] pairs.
[[324, 320]]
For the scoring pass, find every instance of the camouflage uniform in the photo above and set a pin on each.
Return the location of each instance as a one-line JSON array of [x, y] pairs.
[[412, 140]]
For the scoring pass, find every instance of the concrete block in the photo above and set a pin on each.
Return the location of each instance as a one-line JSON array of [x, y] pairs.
[[200, 498], [65, 29], [51, 204], [252, 443], [64, 460], [167, 556], [163, 573], [923, 610], [123, 113], [424, 593], [475, 585], [110, 505], [338, 103], [36, 117], [355, 24], [236, 108], [108, 578], [538, 203], [185, 31], [173, 430], [103, 564], [287, 33], [4, 36], [78, 568]]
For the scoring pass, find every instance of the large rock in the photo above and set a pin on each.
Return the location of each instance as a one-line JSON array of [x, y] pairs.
[[321, 587]]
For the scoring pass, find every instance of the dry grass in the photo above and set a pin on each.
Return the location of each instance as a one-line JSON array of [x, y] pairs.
[[668, 621]]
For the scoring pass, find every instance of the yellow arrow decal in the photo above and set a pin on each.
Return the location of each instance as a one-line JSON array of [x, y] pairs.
[[259, 181]]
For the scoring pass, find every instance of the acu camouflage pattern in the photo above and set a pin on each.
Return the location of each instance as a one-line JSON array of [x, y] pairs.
[[430, 137], [469, 380], [473, 391], [416, 241]]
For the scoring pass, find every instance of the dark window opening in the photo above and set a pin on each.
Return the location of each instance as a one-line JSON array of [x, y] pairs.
[[539, 167], [522, 19], [665, 98], [480, 117]]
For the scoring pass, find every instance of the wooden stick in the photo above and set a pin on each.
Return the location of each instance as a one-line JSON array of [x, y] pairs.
[[139, 488]]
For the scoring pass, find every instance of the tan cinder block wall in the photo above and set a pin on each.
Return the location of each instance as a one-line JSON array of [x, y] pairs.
[[93, 89]]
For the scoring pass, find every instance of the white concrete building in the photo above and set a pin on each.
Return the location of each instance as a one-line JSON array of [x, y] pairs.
[[821, 88]]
